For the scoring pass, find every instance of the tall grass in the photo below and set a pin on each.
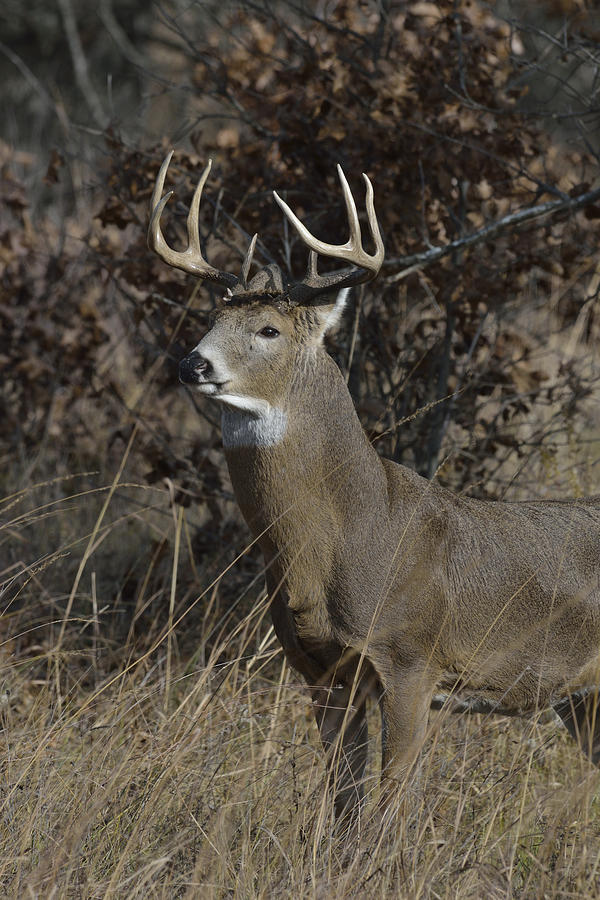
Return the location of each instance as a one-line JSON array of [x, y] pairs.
[[159, 746]]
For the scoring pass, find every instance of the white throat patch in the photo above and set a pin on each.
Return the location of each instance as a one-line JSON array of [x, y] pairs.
[[254, 423]]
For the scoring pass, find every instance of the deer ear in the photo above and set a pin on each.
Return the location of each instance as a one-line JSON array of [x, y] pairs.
[[329, 315]]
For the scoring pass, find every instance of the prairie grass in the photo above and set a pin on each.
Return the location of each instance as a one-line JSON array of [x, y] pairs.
[[157, 745]]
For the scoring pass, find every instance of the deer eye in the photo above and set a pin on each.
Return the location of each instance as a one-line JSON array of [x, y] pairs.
[[269, 332]]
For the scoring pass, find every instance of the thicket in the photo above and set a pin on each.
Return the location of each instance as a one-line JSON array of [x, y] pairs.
[[472, 358], [429, 100]]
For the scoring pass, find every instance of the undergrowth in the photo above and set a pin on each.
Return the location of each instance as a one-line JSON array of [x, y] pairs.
[[159, 746]]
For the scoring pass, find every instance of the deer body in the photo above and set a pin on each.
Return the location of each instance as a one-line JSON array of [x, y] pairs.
[[382, 583], [369, 565]]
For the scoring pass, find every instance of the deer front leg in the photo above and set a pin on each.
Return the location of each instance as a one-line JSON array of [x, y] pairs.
[[339, 705], [405, 704], [342, 723]]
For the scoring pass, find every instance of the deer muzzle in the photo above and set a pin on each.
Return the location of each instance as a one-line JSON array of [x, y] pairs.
[[194, 369]]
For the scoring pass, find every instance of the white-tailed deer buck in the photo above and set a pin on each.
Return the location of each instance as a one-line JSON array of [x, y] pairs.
[[382, 583]]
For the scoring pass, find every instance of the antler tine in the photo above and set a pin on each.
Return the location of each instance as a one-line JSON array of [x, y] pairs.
[[352, 251], [191, 259], [372, 219], [248, 261], [160, 182], [355, 239], [193, 219]]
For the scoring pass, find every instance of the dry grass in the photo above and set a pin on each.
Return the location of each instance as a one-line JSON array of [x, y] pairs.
[[179, 758]]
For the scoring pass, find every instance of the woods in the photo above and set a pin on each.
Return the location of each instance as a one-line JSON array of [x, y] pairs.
[[132, 605]]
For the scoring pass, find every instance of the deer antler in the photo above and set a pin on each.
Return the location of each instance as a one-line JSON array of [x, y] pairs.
[[190, 260], [364, 265]]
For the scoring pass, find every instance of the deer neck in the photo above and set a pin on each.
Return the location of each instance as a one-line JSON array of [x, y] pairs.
[[305, 465]]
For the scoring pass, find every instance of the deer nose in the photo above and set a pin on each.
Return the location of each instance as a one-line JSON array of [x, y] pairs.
[[193, 368]]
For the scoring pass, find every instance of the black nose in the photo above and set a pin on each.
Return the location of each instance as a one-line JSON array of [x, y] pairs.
[[194, 368]]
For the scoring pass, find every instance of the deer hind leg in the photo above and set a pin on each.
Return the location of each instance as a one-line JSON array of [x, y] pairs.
[[340, 712], [580, 714]]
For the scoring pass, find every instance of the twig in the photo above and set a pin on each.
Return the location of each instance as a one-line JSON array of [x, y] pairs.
[[80, 66], [28, 75], [119, 36]]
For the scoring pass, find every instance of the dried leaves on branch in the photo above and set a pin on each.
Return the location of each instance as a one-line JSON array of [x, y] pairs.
[[432, 101]]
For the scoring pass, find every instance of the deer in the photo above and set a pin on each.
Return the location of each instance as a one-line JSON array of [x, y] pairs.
[[382, 585]]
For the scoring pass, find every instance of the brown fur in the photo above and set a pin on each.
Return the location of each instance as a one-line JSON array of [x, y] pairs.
[[383, 583]]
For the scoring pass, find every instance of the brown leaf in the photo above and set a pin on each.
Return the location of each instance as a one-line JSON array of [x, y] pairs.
[[56, 162]]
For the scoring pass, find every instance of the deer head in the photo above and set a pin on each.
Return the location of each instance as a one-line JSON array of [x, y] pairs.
[[265, 325]]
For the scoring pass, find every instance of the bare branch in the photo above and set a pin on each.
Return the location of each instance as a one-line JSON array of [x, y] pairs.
[[417, 261], [119, 36], [80, 66]]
